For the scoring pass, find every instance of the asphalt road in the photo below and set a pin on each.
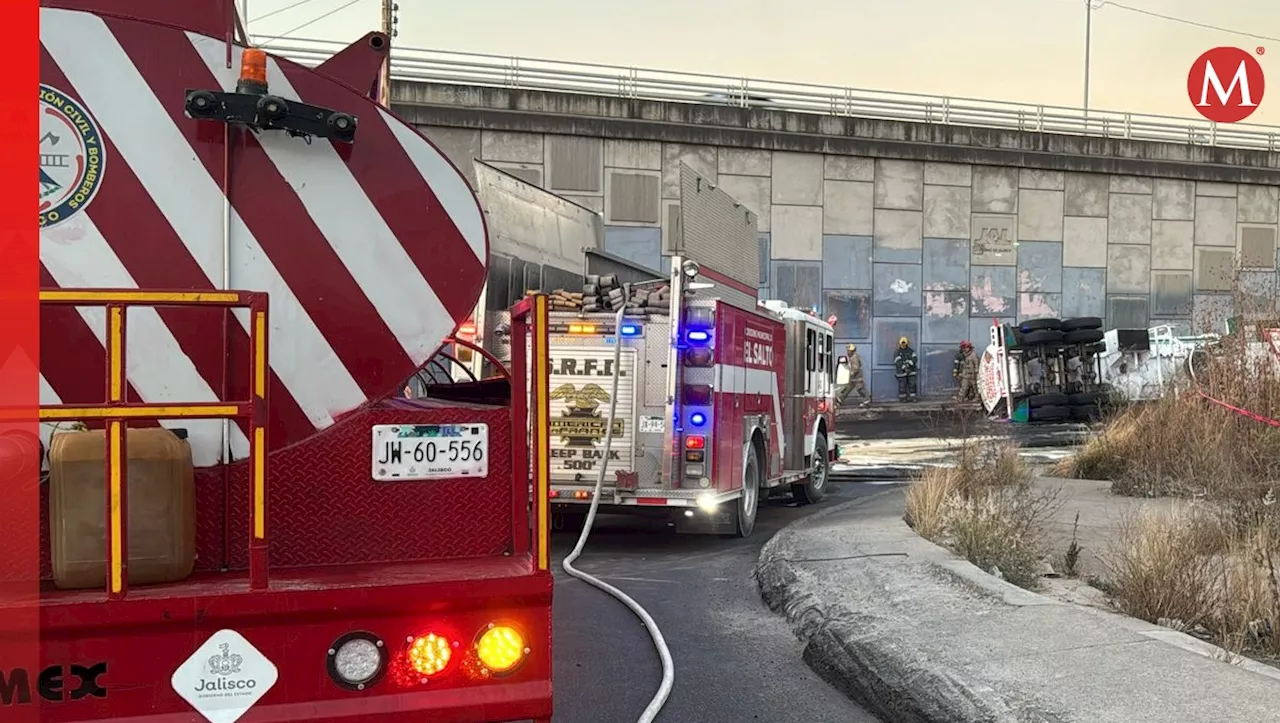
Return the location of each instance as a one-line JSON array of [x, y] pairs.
[[735, 662]]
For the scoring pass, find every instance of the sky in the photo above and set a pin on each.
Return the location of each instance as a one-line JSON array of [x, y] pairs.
[[1029, 51]]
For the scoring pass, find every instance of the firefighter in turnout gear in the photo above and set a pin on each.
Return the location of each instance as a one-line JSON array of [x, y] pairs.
[[965, 372], [850, 377], [906, 368]]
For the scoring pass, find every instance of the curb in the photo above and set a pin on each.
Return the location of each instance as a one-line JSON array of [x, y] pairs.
[[893, 685], [854, 651]]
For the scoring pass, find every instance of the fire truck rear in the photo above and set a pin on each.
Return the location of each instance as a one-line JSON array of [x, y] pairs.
[[242, 260], [721, 399]]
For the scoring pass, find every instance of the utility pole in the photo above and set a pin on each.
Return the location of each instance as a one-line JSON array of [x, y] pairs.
[[1088, 42], [388, 26]]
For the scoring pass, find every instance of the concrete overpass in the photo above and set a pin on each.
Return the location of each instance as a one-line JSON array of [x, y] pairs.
[[903, 215]]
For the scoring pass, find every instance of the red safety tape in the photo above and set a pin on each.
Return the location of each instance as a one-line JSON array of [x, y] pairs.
[[1238, 410]]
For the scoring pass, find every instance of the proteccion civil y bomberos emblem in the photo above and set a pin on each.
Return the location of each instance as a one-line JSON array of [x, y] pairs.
[[72, 157]]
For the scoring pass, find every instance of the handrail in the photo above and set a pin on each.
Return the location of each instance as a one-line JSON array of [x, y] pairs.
[[481, 69], [117, 410]]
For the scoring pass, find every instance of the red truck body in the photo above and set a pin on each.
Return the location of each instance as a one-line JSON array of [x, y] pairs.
[[358, 256]]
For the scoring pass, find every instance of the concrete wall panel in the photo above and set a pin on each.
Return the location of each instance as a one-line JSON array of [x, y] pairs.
[[1084, 241], [796, 232], [799, 283], [1173, 200], [946, 211], [1128, 312], [460, 145], [1040, 266], [1130, 184], [948, 174], [641, 245], [1209, 312], [746, 162], [993, 239], [898, 236], [797, 179], [1216, 190], [899, 185], [1256, 294], [1039, 306], [754, 193], [846, 262], [946, 316], [1084, 292], [511, 147], [935, 368], [1172, 244], [887, 334], [766, 258], [1128, 269], [642, 155], [1257, 204], [1215, 269], [1088, 194], [848, 207], [897, 290], [994, 291], [995, 189], [946, 265], [1042, 180], [1215, 221], [852, 310], [702, 159], [848, 168], [1039, 215], [1129, 218], [1171, 293]]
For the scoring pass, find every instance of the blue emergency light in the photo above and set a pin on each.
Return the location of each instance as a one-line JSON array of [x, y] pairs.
[[697, 419], [699, 335], [629, 330]]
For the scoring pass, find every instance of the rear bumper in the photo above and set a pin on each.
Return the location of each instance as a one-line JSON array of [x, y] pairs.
[[144, 639]]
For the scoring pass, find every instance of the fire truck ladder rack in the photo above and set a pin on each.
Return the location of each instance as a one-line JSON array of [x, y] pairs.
[[117, 411]]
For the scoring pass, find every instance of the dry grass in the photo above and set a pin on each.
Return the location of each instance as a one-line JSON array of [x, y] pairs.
[[986, 509]]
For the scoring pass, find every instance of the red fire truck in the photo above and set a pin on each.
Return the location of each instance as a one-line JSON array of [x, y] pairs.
[[720, 399], [242, 528]]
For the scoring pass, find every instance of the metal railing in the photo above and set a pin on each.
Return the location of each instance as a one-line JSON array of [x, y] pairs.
[[444, 66]]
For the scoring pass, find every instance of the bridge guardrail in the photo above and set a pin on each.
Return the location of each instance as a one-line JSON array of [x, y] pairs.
[[443, 66]]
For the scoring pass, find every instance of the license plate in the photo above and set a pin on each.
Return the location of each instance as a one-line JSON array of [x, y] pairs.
[[652, 425], [430, 451]]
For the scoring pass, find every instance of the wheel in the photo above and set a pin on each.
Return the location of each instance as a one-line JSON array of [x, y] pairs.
[[1081, 323], [749, 502], [1082, 336], [1040, 325], [1085, 412], [813, 491], [1084, 398], [1050, 414], [1051, 399], [1039, 337]]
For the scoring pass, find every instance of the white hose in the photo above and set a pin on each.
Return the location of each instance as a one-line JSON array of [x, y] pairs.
[[668, 669]]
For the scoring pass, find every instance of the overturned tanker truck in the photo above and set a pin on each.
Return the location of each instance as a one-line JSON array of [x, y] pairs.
[[242, 260]]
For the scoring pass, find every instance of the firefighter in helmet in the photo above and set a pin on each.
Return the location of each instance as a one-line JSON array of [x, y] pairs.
[[850, 376], [965, 372], [906, 368]]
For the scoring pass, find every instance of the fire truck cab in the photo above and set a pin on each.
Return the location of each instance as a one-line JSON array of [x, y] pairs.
[[720, 399]]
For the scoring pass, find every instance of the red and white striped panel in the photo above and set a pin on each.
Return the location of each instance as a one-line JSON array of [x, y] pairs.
[[371, 253]]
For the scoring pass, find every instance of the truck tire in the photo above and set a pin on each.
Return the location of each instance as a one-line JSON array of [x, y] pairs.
[[1045, 324], [816, 488], [1081, 323], [1051, 399], [1085, 412], [1085, 398], [1039, 337], [749, 502], [1050, 414], [1082, 336]]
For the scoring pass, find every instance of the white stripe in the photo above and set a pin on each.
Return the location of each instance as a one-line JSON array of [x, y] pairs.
[[754, 381], [129, 112], [349, 221], [450, 188], [77, 256]]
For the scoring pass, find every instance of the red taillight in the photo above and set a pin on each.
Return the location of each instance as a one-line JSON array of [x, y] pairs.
[[694, 441], [697, 395], [822, 407]]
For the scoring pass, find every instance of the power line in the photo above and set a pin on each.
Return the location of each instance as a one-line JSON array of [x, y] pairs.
[[316, 19], [1184, 21], [280, 10]]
